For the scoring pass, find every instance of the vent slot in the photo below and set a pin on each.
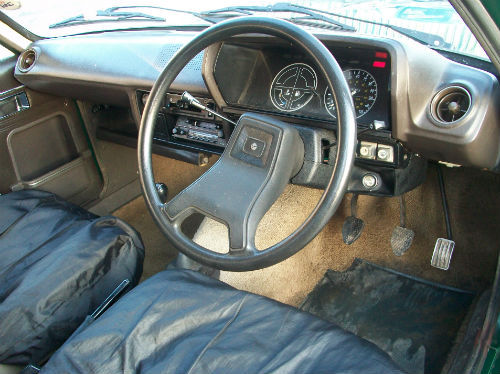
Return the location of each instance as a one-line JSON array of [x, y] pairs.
[[450, 105], [27, 60]]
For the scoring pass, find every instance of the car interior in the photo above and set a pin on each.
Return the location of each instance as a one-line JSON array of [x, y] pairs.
[[253, 197]]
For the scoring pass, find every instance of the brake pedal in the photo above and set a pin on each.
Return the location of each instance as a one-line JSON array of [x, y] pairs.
[[402, 237], [401, 240], [353, 226]]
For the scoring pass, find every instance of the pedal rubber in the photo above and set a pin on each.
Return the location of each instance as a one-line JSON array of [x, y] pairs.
[[443, 250], [351, 229], [401, 240]]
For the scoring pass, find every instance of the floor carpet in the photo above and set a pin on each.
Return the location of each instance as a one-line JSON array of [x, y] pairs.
[[473, 199]]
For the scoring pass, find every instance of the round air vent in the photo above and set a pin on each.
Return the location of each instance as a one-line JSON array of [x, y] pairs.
[[27, 60], [450, 105]]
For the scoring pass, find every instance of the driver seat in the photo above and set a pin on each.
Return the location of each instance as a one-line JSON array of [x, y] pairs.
[[181, 321]]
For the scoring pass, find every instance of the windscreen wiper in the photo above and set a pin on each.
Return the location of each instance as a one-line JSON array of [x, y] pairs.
[[107, 15], [310, 16], [425, 38]]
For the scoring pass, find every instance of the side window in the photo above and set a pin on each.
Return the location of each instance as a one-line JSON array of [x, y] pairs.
[[5, 53], [7, 80]]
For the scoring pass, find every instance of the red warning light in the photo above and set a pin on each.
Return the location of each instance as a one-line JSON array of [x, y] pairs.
[[379, 64], [381, 55]]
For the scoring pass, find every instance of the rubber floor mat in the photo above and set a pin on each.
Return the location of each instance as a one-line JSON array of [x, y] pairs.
[[413, 320]]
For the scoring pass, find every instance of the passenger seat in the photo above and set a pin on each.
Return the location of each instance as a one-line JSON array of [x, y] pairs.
[[58, 263]]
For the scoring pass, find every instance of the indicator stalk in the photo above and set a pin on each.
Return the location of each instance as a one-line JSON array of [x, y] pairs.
[[191, 100]]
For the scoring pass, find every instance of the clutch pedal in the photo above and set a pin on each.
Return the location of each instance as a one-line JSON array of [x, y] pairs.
[[443, 250]]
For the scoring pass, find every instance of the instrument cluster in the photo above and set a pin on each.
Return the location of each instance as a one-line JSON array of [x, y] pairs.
[[285, 81]]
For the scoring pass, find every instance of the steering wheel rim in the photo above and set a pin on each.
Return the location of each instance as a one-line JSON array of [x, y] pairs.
[[346, 143]]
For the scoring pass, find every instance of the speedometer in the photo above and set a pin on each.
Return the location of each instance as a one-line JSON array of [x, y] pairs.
[[363, 90], [293, 87]]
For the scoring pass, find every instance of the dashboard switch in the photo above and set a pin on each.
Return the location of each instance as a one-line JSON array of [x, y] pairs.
[[369, 181], [367, 150], [385, 153]]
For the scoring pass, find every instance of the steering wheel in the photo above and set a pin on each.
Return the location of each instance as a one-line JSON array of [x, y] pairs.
[[261, 157]]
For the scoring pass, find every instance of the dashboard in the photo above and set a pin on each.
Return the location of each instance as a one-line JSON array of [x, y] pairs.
[[412, 104]]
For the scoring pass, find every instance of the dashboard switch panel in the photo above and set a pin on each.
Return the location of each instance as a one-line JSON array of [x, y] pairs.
[[376, 152]]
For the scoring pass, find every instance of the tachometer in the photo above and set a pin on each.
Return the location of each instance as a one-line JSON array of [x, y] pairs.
[[293, 87], [363, 90]]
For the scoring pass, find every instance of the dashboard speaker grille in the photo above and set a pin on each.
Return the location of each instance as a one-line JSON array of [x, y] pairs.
[[451, 105], [168, 51]]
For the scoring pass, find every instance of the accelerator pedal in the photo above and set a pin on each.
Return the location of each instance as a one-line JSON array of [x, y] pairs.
[[402, 237], [353, 226], [443, 250]]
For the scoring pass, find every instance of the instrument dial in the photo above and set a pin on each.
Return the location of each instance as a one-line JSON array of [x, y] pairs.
[[293, 87], [363, 90]]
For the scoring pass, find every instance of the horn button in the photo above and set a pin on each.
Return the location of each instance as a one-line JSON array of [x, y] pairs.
[[254, 146]]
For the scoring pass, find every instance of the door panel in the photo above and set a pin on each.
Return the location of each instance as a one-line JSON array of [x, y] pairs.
[[43, 144]]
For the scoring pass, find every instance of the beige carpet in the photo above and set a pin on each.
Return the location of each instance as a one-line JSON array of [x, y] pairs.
[[473, 198]]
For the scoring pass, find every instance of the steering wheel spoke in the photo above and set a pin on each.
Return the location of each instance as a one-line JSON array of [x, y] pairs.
[[246, 253], [177, 219]]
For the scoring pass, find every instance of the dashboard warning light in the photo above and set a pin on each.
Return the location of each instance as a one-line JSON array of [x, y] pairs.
[[381, 54], [379, 64]]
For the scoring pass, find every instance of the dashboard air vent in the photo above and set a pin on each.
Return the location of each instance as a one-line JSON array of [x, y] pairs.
[[27, 60], [450, 105]]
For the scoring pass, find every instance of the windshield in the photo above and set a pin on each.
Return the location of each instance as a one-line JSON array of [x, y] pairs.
[[432, 22]]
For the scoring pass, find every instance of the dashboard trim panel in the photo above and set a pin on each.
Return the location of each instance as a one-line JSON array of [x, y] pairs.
[[110, 67]]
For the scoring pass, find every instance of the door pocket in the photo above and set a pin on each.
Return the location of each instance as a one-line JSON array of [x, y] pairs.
[[38, 148]]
